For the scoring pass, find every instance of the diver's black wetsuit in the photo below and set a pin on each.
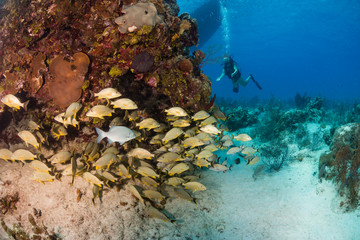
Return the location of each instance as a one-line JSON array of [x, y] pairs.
[[229, 68]]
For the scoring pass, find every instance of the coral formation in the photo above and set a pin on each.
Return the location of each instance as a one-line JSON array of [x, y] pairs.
[[68, 77], [45, 36], [136, 16], [186, 65], [342, 162], [142, 62]]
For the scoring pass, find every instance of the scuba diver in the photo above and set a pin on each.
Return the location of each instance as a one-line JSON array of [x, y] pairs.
[[231, 70]]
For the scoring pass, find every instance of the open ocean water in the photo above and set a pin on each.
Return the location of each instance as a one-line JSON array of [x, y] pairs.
[[308, 47]]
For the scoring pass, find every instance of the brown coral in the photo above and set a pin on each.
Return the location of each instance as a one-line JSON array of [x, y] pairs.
[[67, 78], [186, 65], [35, 79]]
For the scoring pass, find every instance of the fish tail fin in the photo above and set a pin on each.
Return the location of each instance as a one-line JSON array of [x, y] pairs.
[[25, 104], [101, 134]]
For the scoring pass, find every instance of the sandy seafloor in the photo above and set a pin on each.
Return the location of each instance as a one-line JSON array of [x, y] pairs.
[[289, 204]]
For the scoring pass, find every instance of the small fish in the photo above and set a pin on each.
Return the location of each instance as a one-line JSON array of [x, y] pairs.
[[148, 123], [92, 179], [157, 139], [42, 177], [22, 155], [194, 186], [72, 110], [13, 102], [234, 150], [228, 143], [204, 154], [190, 132], [192, 142], [219, 168], [174, 181], [217, 113], [97, 192], [226, 138], [211, 129], [5, 154], [243, 137], [113, 150], [41, 138], [177, 148], [152, 195], [117, 121], [125, 104], [135, 192], [140, 153], [107, 176], [39, 166], [211, 147], [201, 115], [61, 157], [201, 163], [105, 161], [149, 181], [184, 194], [108, 93], [176, 111], [249, 150], [192, 152], [118, 134], [59, 118], [147, 172], [172, 134], [154, 213], [58, 131], [181, 123], [33, 125], [89, 147], [123, 171], [100, 111], [133, 116], [178, 168], [208, 121], [203, 136], [169, 157], [73, 169], [28, 138], [253, 160], [172, 118]]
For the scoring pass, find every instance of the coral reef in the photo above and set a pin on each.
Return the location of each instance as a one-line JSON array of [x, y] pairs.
[[240, 117], [342, 162], [48, 32]]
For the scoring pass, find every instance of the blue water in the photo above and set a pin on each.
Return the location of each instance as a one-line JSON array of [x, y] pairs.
[[310, 46]]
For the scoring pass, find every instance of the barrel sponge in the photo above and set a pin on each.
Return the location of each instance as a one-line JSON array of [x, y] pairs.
[[136, 16], [68, 77]]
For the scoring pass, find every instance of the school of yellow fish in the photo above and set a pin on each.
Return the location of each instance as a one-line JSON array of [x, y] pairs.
[[183, 145]]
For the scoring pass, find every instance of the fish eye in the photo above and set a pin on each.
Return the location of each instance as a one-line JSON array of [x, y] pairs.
[[146, 12]]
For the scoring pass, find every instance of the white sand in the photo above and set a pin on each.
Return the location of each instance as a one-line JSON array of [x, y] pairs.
[[289, 204]]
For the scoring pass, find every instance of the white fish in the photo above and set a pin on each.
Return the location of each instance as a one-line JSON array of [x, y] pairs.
[[118, 134], [108, 93], [13, 102]]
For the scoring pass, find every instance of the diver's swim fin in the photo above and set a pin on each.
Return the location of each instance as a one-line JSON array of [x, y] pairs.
[[256, 83]]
